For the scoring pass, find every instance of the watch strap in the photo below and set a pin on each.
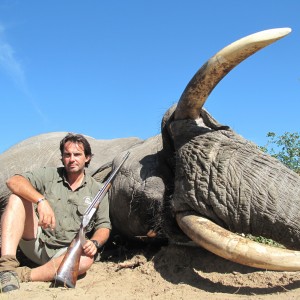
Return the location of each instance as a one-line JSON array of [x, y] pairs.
[[96, 243]]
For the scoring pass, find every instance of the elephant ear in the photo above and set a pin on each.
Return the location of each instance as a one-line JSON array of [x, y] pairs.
[[103, 172]]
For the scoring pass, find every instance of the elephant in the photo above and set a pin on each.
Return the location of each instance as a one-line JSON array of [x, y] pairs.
[[197, 181]]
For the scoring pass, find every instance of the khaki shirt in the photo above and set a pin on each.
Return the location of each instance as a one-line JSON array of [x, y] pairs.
[[68, 206]]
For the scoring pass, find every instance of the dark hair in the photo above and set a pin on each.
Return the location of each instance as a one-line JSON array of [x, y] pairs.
[[77, 138]]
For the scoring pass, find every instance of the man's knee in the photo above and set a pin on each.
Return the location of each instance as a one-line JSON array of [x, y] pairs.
[[16, 203], [85, 264], [13, 199]]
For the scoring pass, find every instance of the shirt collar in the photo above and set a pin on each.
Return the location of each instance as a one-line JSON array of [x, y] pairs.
[[63, 177]]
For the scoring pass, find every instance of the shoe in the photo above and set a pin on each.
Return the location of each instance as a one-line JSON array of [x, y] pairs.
[[9, 281]]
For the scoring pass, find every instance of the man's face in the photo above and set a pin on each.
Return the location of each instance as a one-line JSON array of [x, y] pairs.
[[74, 158]]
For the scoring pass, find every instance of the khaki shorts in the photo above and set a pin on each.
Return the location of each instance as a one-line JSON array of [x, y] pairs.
[[36, 251]]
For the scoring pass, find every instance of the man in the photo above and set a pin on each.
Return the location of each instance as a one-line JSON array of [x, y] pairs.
[[43, 215]]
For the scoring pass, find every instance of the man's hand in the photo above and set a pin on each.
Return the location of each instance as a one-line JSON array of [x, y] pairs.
[[101, 235], [22, 187], [89, 248], [46, 215]]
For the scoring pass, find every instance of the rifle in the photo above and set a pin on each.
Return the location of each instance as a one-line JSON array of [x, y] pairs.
[[67, 272]]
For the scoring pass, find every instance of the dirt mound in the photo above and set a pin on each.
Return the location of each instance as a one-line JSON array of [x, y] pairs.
[[168, 272]]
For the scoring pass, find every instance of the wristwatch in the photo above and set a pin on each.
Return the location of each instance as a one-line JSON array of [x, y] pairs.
[[98, 245]]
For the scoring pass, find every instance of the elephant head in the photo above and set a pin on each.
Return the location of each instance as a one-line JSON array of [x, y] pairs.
[[209, 179], [197, 180]]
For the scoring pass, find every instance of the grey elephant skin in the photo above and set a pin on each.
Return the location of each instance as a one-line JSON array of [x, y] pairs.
[[195, 165]]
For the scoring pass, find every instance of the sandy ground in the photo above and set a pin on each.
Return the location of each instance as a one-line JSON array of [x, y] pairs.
[[167, 272]]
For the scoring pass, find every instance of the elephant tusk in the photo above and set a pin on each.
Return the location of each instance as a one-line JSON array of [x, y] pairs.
[[236, 248], [209, 75]]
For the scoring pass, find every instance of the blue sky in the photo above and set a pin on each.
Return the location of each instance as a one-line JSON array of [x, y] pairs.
[[110, 69]]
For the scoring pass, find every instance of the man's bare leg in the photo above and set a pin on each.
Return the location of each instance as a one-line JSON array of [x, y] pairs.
[[47, 271], [19, 221], [19, 214]]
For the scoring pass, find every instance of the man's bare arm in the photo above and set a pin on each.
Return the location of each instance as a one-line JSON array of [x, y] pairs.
[[22, 187]]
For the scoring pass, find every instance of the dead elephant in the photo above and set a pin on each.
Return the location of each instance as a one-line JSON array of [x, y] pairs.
[[197, 180]]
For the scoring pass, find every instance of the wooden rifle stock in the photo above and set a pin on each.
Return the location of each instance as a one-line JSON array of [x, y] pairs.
[[67, 272]]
